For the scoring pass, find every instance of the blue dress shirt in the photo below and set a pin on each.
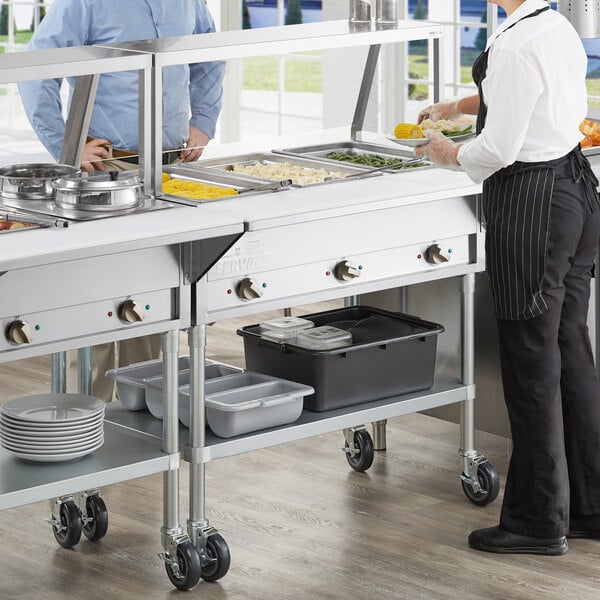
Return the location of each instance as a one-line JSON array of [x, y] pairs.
[[195, 87]]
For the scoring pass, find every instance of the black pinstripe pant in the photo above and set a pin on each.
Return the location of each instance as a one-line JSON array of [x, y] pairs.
[[550, 383]]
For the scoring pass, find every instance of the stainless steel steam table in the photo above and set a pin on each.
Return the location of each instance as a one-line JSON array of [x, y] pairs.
[[295, 240]]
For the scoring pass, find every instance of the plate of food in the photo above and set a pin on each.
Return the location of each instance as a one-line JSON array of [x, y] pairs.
[[408, 134]]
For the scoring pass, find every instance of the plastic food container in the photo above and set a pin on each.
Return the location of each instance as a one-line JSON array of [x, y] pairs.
[[325, 337], [391, 354], [154, 390], [245, 402], [284, 329], [131, 381]]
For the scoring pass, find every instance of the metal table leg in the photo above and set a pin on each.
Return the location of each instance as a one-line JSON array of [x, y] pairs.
[[180, 556], [85, 369], [479, 479], [212, 548], [59, 372]]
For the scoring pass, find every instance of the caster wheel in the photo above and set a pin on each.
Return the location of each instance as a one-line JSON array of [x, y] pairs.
[[489, 482], [97, 526], [363, 459], [188, 561], [216, 559], [69, 533]]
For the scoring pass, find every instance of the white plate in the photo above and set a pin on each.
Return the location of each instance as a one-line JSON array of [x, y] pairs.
[[60, 449], [74, 439], [52, 458], [414, 142], [56, 439], [47, 429], [53, 408]]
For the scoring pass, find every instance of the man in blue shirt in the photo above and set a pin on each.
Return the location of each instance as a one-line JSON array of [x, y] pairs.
[[196, 88], [191, 104]]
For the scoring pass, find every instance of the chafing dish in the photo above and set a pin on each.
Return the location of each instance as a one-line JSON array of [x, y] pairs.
[[31, 181], [99, 191]]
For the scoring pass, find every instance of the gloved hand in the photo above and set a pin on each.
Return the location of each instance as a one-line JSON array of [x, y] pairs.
[[442, 110], [441, 150]]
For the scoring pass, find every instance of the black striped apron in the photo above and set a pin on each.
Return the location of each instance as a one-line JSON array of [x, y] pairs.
[[516, 206]]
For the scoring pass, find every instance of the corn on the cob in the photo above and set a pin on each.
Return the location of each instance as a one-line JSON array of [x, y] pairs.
[[407, 131]]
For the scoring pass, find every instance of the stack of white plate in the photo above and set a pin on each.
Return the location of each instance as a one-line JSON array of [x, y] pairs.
[[52, 427]]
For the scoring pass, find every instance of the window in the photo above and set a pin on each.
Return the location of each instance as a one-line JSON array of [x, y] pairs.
[[280, 94]]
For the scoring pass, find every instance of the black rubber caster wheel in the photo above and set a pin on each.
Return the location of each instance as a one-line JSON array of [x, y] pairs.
[[489, 482], [188, 562], [97, 526], [69, 534], [363, 459], [217, 559]]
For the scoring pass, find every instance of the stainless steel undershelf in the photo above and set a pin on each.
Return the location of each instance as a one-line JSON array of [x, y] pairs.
[[123, 456], [444, 391]]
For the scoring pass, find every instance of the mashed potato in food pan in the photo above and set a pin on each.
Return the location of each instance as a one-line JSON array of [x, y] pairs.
[[285, 170]]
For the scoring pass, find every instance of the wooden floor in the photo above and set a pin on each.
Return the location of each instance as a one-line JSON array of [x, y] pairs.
[[301, 525]]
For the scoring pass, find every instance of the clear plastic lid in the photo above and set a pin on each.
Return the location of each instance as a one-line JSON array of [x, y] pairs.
[[286, 324], [323, 338]]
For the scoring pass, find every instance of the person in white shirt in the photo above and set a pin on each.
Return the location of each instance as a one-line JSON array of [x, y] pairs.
[[542, 217]]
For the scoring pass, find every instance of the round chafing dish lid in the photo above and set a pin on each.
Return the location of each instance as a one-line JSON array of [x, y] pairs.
[[37, 170], [99, 181]]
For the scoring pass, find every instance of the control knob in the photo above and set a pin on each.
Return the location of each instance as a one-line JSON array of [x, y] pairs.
[[436, 254], [131, 312], [249, 289], [346, 271], [19, 333]]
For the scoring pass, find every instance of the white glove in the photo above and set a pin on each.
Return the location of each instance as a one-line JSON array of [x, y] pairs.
[[441, 150], [447, 110]]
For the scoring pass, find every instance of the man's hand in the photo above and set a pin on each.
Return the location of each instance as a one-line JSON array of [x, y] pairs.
[[195, 145], [93, 154]]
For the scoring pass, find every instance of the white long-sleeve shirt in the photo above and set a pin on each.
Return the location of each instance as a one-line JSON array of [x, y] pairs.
[[534, 91]]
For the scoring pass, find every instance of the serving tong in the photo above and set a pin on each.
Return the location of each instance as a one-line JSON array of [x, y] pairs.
[[369, 172]]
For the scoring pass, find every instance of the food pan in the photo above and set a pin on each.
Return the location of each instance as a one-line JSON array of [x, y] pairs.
[[13, 220], [10, 223], [327, 170], [217, 179], [154, 390], [245, 402], [131, 381], [359, 150]]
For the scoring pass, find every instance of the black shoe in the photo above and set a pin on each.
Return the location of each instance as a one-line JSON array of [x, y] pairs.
[[585, 527], [495, 539]]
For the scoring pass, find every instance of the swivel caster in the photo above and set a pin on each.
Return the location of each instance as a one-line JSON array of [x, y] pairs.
[[360, 455], [489, 485], [184, 571], [214, 558], [95, 518], [67, 528]]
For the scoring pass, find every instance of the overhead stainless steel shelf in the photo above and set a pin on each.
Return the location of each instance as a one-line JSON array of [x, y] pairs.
[[68, 62], [123, 456], [276, 40]]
